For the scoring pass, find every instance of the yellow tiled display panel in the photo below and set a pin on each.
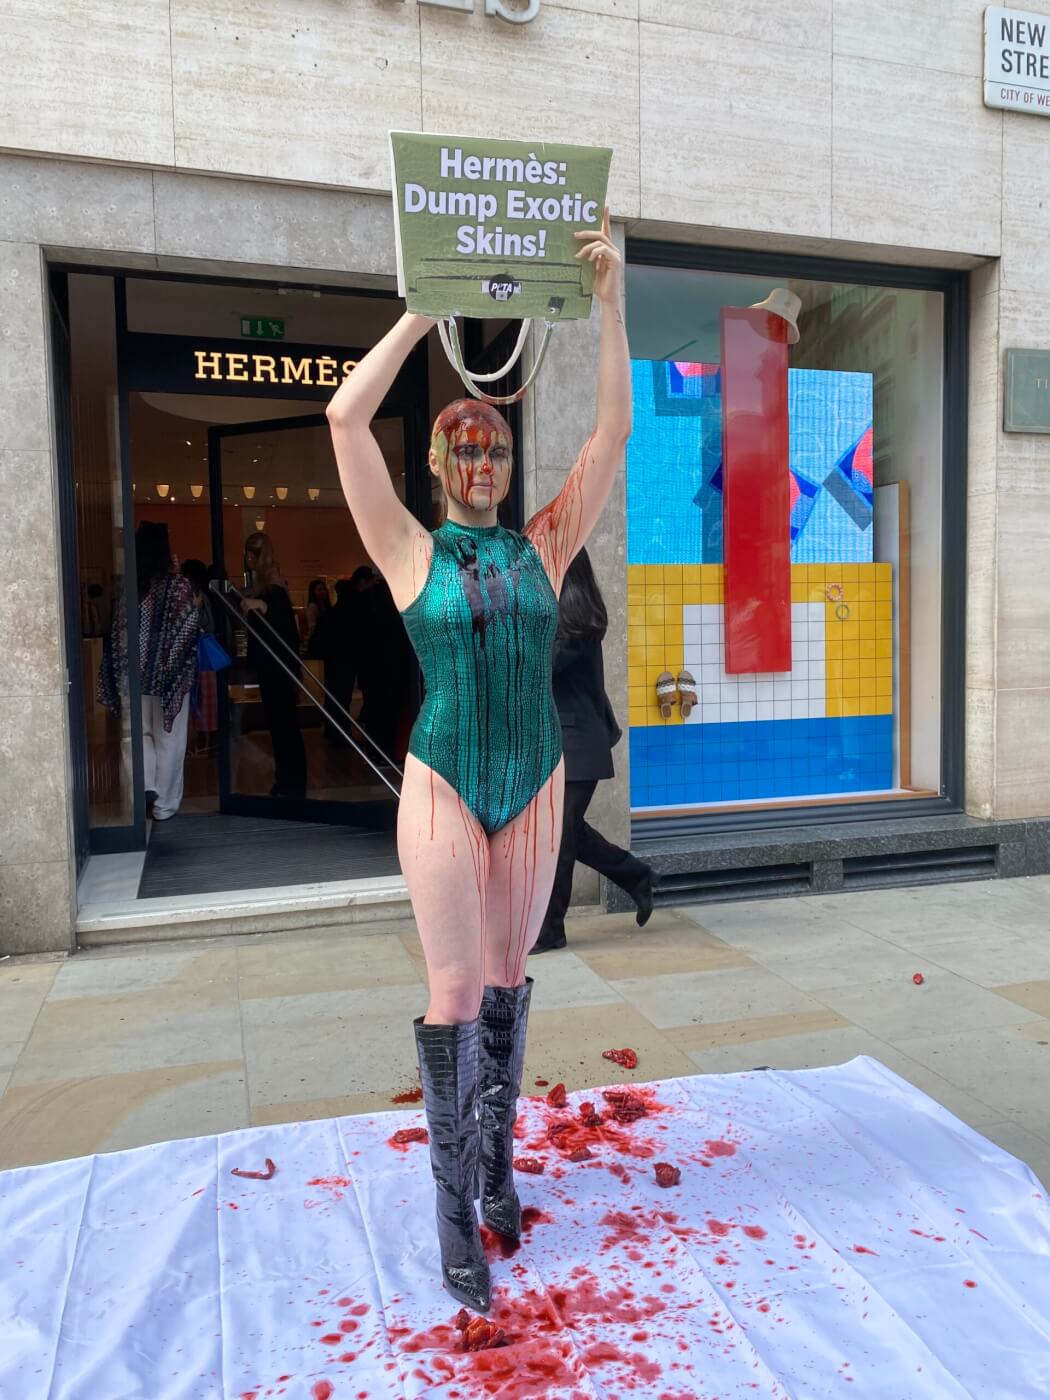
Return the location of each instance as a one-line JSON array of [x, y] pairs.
[[858, 603]]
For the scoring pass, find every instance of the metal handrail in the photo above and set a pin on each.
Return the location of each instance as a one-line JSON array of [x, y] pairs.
[[217, 586]]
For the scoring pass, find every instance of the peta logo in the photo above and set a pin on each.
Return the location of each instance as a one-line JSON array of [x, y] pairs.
[[501, 288], [513, 11]]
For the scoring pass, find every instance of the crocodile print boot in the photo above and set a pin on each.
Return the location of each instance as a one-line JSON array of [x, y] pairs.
[[501, 1038], [448, 1064]]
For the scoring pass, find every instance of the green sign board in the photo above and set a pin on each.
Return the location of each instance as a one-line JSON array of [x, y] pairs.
[[1027, 398], [262, 328], [485, 228]]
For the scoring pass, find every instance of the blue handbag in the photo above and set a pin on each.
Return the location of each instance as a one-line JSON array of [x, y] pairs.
[[211, 654]]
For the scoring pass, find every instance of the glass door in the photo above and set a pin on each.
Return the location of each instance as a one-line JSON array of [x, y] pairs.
[[315, 708]]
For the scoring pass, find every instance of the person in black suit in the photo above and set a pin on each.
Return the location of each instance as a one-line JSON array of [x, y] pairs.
[[589, 734]]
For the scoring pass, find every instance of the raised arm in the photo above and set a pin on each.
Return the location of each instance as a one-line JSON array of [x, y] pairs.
[[560, 530], [390, 533]]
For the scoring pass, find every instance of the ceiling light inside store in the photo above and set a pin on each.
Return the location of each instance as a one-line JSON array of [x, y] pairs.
[[313, 492], [197, 492], [249, 492], [188, 442], [162, 489], [260, 523], [282, 493]]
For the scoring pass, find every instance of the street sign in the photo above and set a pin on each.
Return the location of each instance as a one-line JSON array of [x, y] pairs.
[[1017, 61]]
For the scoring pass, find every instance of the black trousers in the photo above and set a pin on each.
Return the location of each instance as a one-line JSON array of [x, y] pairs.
[[580, 842], [279, 694]]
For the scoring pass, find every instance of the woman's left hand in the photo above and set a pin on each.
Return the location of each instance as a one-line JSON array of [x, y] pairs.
[[253, 605], [608, 264]]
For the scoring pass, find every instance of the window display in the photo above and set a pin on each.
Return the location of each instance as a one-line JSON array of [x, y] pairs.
[[779, 476]]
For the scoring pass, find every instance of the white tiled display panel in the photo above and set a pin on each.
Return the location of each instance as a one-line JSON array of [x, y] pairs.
[[800, 693]]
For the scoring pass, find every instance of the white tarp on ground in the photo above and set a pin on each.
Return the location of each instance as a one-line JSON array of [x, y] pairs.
[[834, 1233]]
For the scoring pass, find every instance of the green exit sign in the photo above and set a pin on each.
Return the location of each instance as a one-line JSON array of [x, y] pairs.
[[262, 328]]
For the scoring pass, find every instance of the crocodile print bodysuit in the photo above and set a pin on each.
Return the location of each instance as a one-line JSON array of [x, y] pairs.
[[483, 628]]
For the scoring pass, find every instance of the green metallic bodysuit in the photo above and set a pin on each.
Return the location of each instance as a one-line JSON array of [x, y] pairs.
[[483, 628]]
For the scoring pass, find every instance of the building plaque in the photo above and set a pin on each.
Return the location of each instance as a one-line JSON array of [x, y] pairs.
[[1027, 398]]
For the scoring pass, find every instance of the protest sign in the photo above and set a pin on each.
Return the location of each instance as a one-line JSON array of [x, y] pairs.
[[485, 228]]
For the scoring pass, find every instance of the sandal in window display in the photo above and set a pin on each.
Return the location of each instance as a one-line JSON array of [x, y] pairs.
[[666, 693], [686, 693]]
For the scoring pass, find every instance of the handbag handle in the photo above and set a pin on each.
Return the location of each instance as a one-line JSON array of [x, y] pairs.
[[449, 334]]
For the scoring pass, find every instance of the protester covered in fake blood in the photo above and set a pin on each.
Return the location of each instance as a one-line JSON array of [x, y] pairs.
[[479, 823]]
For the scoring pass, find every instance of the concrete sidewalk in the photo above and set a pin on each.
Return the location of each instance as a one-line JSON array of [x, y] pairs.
[[117, 1048]]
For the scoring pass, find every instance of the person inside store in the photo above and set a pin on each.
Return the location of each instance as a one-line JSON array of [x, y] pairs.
[[589, 733], [385, 669], [169, 627], [273, 653], [204, 701], [338, 642], [479, 821], [318, 603], [93, 622]]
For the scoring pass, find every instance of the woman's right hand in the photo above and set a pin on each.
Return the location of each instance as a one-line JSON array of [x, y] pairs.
[[253, 605]]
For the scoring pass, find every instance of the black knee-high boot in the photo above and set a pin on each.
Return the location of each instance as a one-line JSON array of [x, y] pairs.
[[448, 1064], [501, 1038]]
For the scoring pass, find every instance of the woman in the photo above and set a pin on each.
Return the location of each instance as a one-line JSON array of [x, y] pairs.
[[169, 627], [267, 597], [480, 814], [318, 602], [589, 734], [205, 697]]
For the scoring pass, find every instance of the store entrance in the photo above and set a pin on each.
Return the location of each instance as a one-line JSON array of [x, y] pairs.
[[313, 713], [197, 405]]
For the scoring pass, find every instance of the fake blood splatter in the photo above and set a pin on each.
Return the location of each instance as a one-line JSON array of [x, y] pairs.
[[666, 1174], [501, 1246], [531, 1165], [611, 1130], [267, 1175], [404, 1137], [628, 1059], [526, 1351], [322, 1390], [556, 1097], [409, 1096]]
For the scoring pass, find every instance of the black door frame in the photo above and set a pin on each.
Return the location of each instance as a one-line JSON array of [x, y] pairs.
[[69, 564], [141, 367]]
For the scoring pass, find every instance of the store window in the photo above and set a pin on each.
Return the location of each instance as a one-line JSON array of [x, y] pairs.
[[785, 489]]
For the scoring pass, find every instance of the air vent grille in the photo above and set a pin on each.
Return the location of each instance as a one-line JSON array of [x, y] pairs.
[[920, 867], [744, 882]]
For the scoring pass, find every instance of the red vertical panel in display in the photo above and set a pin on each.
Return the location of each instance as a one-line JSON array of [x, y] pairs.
[[755, 484]]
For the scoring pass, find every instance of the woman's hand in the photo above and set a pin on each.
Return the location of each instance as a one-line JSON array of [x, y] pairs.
[[253, 605], [608, 264]]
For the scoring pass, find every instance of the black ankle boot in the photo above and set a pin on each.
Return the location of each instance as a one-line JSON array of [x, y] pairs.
[[448, 1064], [635, 878], [501, 1042]]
